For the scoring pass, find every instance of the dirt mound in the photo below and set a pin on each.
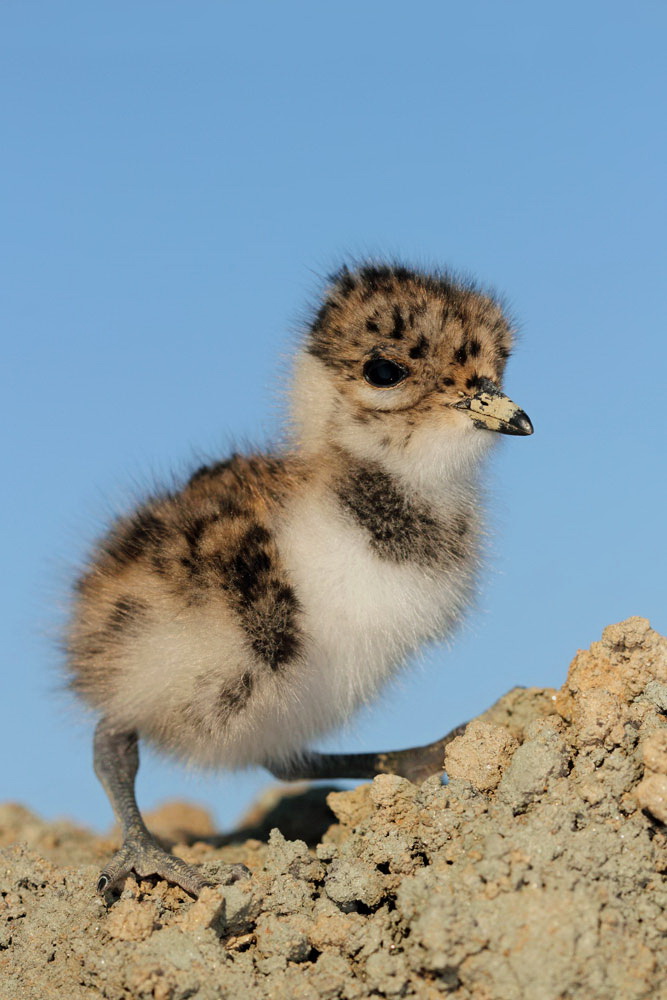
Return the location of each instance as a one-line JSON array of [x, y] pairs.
[[537, 872]]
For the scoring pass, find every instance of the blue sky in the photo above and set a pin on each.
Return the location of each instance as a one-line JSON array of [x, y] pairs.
[[176, 177]]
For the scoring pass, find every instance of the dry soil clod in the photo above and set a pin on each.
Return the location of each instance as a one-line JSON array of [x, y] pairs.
[[537, 872]]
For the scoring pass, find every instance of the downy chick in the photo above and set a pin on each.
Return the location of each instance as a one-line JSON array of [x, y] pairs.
[[233, 621]]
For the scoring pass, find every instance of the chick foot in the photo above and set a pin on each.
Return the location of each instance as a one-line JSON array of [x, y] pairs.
[[145, 857]]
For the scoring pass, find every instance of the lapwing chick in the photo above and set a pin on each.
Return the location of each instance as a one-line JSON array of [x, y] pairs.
[[233, 621]]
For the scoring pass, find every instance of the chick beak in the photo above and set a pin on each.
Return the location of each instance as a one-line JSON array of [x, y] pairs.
[[492, 409]]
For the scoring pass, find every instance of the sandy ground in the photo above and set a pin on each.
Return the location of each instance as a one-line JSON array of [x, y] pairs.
[[537, 872]]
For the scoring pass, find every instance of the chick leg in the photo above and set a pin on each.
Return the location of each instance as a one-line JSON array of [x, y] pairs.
[[415, 763], [116, 762]]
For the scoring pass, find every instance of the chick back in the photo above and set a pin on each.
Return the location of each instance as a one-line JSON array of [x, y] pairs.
[[186, 617]]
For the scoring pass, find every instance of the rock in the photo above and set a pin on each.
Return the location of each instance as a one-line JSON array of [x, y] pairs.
[[654, 752], [481, 754], [628, 657], [656, 693], [350, 882], [129, 920], [651, 793], [533, 767], [538, 871], [286, 936]]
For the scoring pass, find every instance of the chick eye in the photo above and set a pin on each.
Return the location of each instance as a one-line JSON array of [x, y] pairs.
[[383, 373]]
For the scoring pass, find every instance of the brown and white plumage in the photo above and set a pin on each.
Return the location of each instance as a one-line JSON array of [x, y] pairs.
[[235, 620]]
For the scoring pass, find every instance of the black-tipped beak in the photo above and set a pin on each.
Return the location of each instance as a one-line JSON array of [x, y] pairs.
[[494, 411]]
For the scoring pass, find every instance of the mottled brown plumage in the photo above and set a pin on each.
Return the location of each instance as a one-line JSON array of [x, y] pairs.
[[232, 621]]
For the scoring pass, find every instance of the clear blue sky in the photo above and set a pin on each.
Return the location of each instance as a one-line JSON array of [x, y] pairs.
[[175, 176]]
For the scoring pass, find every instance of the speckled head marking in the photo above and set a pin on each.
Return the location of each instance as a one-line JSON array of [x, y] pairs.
[[446, 333], [405, 355]]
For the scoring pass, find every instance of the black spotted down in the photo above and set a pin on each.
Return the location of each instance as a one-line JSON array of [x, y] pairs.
[[135, 537], [266, 603], [398, 329], [419, 349], [255, 587], [126, 613], [246, 571], [212, 471], [233, 696], [271, 622], [94, 649], [400, 527]]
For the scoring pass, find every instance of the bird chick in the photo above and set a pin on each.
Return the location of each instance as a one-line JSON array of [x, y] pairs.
[[233, 621]]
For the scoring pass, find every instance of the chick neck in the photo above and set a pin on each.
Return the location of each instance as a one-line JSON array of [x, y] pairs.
[[435, 462]]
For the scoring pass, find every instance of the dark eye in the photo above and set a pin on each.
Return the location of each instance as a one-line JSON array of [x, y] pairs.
[[383, 373]]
